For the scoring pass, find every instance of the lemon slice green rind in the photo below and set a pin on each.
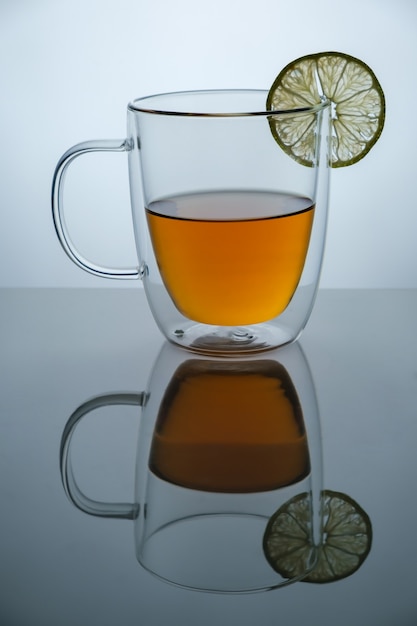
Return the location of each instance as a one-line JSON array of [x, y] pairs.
[[347, 539], [357, 105]]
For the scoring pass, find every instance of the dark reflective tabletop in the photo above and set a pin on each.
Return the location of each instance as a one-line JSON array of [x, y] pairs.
[[60, 566]]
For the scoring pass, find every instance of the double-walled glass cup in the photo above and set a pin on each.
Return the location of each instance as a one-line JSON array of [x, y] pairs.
[[229, 228], [224, 445]]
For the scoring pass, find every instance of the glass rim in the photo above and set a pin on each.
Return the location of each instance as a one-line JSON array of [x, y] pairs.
[[138, 105]]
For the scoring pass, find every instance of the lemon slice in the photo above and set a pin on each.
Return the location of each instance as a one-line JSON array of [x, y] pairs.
[[346, 538], [357, 101]]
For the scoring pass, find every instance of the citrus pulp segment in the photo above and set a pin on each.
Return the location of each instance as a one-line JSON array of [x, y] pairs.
[[346, 538], [357, 102]]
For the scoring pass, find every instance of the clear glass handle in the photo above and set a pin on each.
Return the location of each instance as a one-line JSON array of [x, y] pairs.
[[100, 145], [119, 510]]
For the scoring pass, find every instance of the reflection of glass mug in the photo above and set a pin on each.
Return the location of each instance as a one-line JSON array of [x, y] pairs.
[[222, 445], [231, 239]]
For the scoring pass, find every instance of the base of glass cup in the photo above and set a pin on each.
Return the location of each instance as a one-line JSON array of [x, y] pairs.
[[231, 341]]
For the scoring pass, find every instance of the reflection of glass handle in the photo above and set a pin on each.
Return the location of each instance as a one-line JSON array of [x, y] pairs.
[[104, 145], [85, 504]]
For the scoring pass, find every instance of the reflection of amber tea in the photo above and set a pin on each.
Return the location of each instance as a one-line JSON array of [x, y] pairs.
[[230, 427], [231, 258]]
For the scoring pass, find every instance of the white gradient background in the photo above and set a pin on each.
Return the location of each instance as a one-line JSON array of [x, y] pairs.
[[68, 69]]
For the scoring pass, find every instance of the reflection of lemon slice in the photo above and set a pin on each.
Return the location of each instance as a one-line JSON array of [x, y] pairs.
[[346, 538], [357, 100]]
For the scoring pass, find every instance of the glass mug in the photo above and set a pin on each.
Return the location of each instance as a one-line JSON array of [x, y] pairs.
[[223, 444], [229, 229]]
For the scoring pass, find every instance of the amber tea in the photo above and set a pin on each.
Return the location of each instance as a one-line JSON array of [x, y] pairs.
[[230, 427], [231, 258]]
